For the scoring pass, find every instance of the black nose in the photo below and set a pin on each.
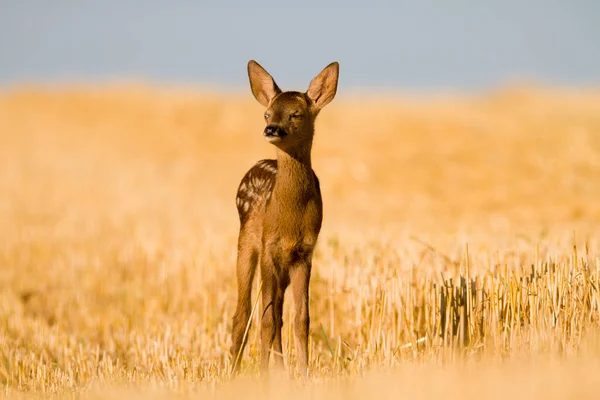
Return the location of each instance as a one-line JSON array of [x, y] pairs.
[[272, 130]]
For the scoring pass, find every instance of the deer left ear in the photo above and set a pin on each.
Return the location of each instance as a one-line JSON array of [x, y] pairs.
[[262, 83], [323, 87]]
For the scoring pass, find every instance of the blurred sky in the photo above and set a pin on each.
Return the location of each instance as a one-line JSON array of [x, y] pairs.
[[416, 45]]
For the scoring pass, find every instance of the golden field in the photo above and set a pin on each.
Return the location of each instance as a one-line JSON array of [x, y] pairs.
[[459, 256]]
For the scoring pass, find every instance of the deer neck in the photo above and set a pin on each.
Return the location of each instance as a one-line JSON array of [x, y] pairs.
[[294, 173]]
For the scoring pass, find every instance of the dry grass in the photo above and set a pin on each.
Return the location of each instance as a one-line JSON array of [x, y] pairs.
[[459, 257]]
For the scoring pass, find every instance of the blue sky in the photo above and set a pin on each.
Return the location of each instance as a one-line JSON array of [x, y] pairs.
[[416, 45]]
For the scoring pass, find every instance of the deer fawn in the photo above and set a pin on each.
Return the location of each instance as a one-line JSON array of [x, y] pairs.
[[280, 209]]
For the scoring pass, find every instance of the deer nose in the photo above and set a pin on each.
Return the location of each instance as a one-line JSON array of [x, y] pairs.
[[271, 130]]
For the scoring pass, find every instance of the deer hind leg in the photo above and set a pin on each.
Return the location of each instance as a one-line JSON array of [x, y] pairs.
[[267, 329], [247, 259]]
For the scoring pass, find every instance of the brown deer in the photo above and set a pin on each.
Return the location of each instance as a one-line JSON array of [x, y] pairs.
[[280, 209]]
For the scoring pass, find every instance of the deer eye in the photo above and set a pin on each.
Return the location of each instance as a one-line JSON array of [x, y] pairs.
[[267, 115], [297, 115]]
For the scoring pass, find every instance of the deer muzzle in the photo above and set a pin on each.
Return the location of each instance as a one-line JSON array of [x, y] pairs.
[[274, 133]]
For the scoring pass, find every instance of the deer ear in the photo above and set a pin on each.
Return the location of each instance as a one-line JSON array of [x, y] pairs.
[[262, 84], [323, 87]]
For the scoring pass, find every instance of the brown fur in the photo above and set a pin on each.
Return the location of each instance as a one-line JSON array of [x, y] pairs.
[[280, 208]]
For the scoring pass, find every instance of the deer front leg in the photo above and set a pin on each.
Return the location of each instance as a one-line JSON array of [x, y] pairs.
[[300, 277], [283, 282]]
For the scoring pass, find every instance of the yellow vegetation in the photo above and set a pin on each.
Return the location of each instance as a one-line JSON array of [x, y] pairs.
[[459, 255]]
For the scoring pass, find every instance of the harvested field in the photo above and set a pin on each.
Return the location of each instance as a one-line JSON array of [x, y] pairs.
[[459, 256]]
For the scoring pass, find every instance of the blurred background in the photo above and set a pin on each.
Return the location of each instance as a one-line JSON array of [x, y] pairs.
[[445, 111], [387, 45], [468, 113]]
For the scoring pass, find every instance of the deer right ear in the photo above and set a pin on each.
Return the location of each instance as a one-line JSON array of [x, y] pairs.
[[323, 87], [262, 84]]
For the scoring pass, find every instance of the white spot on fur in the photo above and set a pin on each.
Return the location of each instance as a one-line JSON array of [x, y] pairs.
[[266, 165], [258, 182]]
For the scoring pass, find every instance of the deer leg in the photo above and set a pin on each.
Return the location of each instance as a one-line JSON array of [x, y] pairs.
[[247, 260], [270, 286], [278, 309], [300, 277]]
